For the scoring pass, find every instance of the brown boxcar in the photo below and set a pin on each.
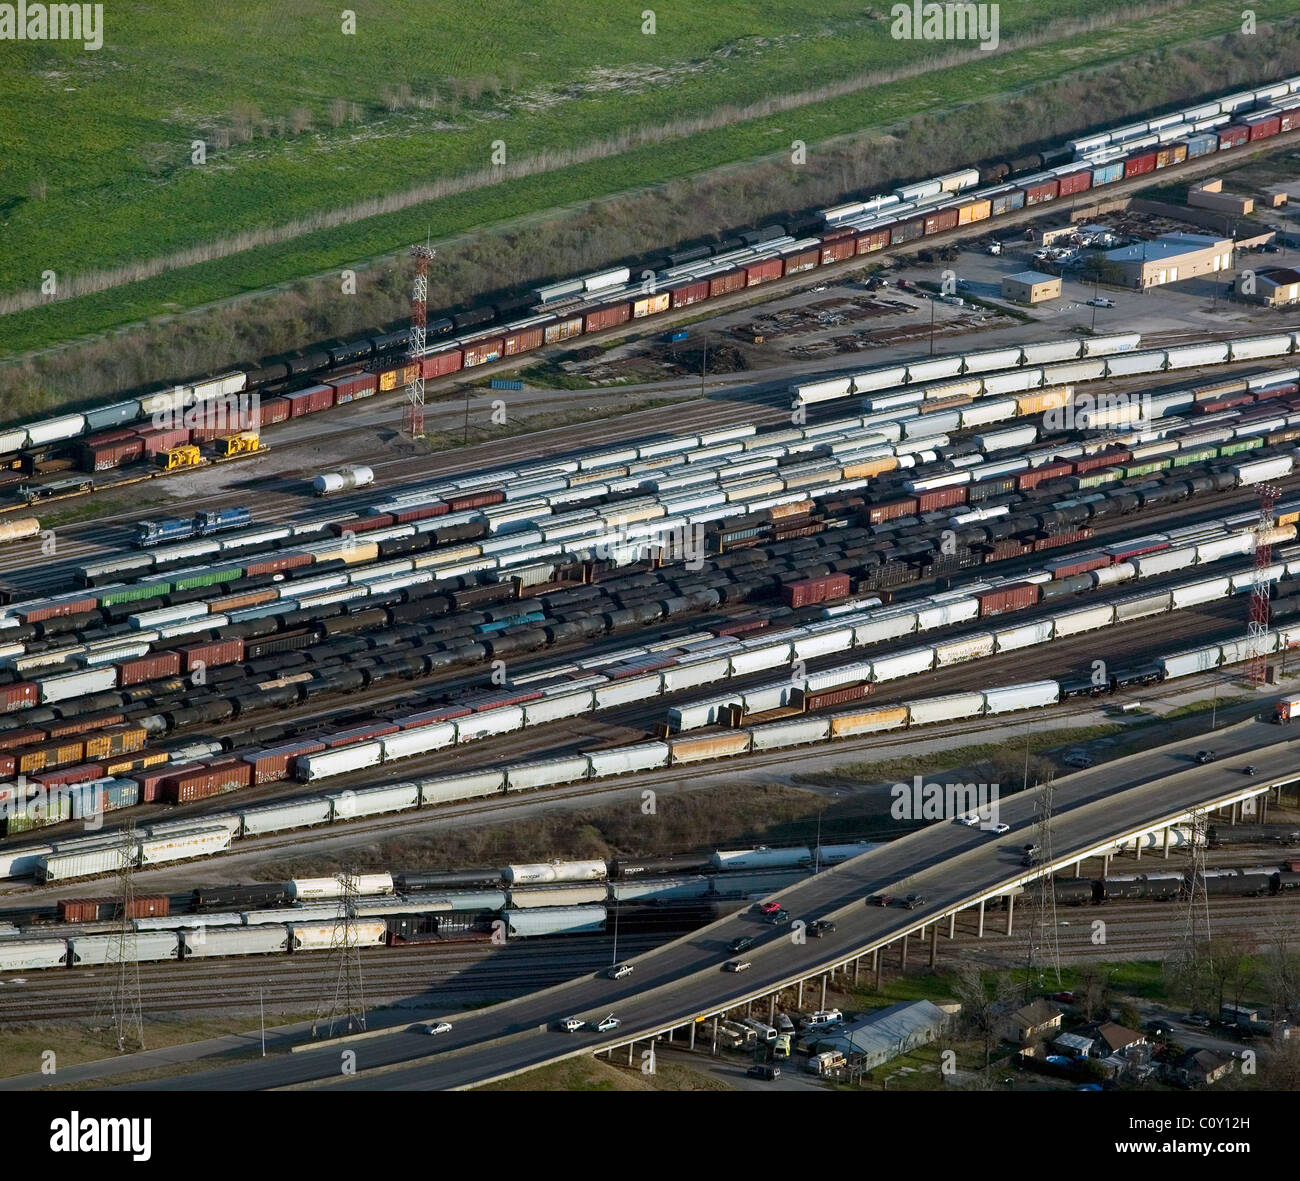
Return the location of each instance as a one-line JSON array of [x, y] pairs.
[[564, 329], [147, 668], [1075, 182], [349, 389], [475, 500], [1047, 471], [183, 786], [276, 762], [803, 260], [940, 220], [870, 241], [483, 352], [156, 439], [273, 410], [522, 341], [441, 364], [690, 293], [827, 698], [612, 316], [727, 283], [762, 272], [839, 251], [19, 695], [1008, 598], [891, 510], [80, 773], [935, 498], [808, 591], [36, 613], [211, 653], [280, 561]]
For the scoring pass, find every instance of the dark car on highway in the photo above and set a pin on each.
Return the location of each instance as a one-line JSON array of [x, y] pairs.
[[744, 943]]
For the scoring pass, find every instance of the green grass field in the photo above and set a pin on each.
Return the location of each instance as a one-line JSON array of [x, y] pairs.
[[97, 145]]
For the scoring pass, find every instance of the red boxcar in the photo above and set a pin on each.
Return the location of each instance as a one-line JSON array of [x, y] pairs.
[[1044, 191], [211, 653], [24, 736], [350, 389], [148, 668], [1008, 598], [441, 364], [808, 591], [1100, 459], [1261, 128], [690, 293], [522, 341], [360, 734], [762, 272], [839, 250], [1233, 135], [157, 439], [1075, 182], [1139, 164], [1288, 119], [274, 410], [103, 457], [606, 317], [80, 773], [726, 284]]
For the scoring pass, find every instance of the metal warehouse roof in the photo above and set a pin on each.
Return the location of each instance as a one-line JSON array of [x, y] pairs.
[[1166, 246]]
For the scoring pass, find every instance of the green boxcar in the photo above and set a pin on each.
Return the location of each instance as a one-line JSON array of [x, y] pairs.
[[129, 594], [1239, 445], [1150, 467], [1198, 455], [25, 817], [210, 577], [1105, 475]]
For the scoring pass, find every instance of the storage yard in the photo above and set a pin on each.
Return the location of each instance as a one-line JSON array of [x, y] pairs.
[[827, 554]]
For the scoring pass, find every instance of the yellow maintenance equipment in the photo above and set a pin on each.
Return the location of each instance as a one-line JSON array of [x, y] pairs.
[[244, 443], [174, 457]]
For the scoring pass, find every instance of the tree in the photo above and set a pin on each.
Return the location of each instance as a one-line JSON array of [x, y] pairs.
[[982, 1003]]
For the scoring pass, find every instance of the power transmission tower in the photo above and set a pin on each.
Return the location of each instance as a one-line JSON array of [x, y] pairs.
[[1257, 628], [1192, 962], [1044, 951], [119, 1012], [347, 1006], [415, 387]]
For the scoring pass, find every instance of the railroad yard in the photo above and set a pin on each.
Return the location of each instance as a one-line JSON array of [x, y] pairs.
[[819, 506]]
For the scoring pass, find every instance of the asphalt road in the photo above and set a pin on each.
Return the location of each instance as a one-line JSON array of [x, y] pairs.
[[945, 862]]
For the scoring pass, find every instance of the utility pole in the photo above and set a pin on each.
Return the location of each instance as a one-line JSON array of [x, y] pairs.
[[347, 1006], [933, 297], [704, 364], [119, 1013]]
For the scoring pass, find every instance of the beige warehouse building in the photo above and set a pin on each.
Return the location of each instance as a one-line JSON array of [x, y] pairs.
[[1031, 287], [1171, 259]]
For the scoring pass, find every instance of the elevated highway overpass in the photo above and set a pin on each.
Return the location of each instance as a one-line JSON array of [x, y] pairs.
[[682, 986]]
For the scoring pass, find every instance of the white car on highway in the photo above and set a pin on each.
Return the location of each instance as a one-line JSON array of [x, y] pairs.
[[437, 1027], [572, 1024], [999, 829], [618, 971], [608, 1023]]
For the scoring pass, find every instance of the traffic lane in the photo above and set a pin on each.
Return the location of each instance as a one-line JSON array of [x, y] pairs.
[[828, 891]]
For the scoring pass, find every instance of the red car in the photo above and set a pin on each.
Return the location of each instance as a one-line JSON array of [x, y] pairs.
[[769, 908]]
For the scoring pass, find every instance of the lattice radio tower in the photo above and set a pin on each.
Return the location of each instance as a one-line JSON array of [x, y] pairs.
[[420, 255], [1257, 629], [347, 1006], [119, 1012], [1043, 936], [1192, 960]]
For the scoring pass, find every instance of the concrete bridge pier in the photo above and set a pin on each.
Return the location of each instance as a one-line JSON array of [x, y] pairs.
[[980, 932], [1011, 911], [934, 945]]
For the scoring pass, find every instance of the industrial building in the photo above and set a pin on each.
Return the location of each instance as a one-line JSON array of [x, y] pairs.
[[1275, 287], [1031, 287], [1170, 258], [888, 1033]]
